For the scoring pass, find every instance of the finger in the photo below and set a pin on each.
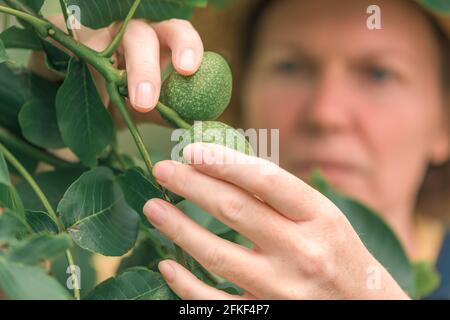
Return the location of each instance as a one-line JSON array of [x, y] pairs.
[[281, 190], [231, 205], [220, 256], [183, 41], [187, 286], [141, 51]]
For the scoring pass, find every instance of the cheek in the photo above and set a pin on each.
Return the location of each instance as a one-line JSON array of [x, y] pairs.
[[269, 106], [272, 106], [397, 138]]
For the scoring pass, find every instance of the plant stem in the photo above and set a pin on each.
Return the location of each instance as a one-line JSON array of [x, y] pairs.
[[101, 64], [20, 6], [43, 199], [46, 29], [73, 272], [109, 51], [118, 101], [10, 139], [40, 25], [63, 5], [27, 176], [172, 115]]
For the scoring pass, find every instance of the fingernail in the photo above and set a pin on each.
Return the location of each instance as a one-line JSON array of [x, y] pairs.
[[187, 59], [163, 171], [167, 271], [155, 212], [145, 95]]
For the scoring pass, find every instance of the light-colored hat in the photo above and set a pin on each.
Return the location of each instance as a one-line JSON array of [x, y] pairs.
[[440, 9]]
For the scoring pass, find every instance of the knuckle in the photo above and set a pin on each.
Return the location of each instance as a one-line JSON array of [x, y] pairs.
[[312, 262], [337, 220], [335, 223], [215, 259], [231, 209], [177, 232], [219, 169], [319, 264], [271, 183]]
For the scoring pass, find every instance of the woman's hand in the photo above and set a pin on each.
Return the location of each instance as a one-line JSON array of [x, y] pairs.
[[304, 247], [145, 50]]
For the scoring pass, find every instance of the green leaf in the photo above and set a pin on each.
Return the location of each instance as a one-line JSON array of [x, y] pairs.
[[35, 87], [3, 55], [36, 5], [18, 38], [138, 189], [150, 250], [52, 183], [41, 223], [375, 233], [11, 98], [220, 3], [11, 227], [85, 124], [4, 172], [9, 198], [96, 215], [146, 253], [24, 282], [427, 278], [102, 13], [39, 248], [17, 87], [55, 58], [38, 122], [133, 284]]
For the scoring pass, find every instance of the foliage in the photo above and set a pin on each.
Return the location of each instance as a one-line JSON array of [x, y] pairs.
[[63, 216]]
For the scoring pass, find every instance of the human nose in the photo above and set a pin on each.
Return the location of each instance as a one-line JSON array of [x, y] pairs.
[[331, 104]]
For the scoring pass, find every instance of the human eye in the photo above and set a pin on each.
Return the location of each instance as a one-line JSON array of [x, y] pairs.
[[289, 67], [378, 74]]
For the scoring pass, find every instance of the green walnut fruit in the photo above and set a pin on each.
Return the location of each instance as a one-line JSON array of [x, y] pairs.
[[218, 133], [202, 96]]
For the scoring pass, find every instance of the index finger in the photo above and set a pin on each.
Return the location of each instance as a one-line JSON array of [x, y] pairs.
[[278, 188], [184, 42]]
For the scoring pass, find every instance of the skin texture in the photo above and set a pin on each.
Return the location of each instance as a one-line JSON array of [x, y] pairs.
[[291, 259], [364, 106], [335, 88]]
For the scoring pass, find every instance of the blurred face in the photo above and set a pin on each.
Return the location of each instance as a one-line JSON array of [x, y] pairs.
[[365, 107]]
